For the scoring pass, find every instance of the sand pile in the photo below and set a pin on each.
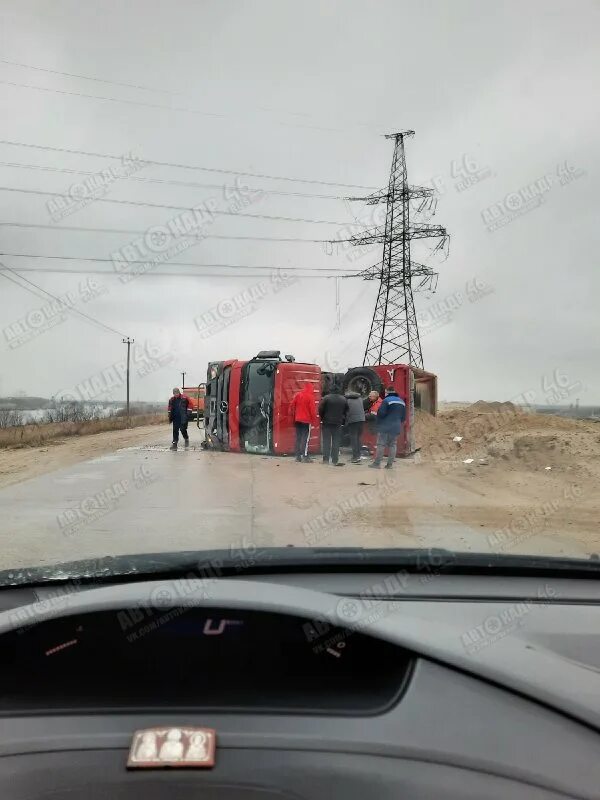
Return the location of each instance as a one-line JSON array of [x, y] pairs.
[[503, 434], [430, 430], [484, 407]]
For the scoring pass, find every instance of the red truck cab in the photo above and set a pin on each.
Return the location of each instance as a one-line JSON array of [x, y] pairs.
[[247, 407], [195, 394]]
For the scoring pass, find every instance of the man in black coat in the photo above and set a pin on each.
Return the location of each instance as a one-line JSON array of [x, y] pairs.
[[332, 411], [178, 408]]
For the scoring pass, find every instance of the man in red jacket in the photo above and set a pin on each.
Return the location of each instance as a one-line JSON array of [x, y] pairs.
[[304, 414]]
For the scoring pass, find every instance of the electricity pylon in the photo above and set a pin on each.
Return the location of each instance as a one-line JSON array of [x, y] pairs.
[[394, 335]]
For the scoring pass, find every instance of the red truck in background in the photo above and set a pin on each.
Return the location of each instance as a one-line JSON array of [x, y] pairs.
[[247, 403], [196, 396]]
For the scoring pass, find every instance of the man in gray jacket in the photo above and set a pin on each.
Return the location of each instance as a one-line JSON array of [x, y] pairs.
[[355, 420]]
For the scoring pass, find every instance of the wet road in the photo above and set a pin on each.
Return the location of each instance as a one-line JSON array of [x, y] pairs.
[[148, 499]]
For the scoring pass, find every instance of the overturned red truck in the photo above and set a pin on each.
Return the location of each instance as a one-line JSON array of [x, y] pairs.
[[247, 403]]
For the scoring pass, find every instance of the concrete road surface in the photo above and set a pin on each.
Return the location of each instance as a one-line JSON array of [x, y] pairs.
[[148, 499]]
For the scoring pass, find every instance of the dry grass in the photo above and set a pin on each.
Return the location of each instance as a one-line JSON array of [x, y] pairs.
[[36, 434]]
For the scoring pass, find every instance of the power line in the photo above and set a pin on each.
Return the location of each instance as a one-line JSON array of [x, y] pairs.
[[112, 99], [85, 77], [183, 94], [166, 181], [3, 270], [218, 212], [155, 274], [183, 166], [79, 229], [145, 104], [95, 259]]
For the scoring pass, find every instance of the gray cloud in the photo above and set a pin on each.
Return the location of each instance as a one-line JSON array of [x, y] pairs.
[[305, 90]]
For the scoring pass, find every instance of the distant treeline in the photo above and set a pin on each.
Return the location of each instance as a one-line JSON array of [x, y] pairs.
[[35, 403]]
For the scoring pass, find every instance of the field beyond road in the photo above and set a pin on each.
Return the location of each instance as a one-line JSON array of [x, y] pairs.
[[63, 447], [486, 479]]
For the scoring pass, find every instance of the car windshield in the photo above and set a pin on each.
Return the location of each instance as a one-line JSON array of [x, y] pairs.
[[303, 277]]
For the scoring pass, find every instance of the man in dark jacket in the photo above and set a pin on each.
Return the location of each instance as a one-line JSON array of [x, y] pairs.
[[391, 415], [332, 410], [178, 409], [355, 420]]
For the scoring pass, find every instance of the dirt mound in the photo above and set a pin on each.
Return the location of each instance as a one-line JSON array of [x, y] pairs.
[[508, 436], [430, 430], [484, 407]]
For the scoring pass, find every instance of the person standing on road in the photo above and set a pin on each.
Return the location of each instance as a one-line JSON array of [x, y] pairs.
[[391, 415], [332, 410], [355, 420], [304, 414], [178, 411]]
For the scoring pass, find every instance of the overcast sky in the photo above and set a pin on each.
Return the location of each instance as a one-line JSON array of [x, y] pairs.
[[505, 93]]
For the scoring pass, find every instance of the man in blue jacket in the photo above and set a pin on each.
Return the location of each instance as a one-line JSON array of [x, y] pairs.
[[390, 416]]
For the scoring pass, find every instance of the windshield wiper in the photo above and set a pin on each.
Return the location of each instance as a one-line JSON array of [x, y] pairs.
[[229, 562]]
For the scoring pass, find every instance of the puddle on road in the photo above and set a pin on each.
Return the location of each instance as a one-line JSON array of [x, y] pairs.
[[81, 476], [104, 459]]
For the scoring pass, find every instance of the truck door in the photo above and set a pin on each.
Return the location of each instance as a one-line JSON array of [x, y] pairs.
[[256, 406]]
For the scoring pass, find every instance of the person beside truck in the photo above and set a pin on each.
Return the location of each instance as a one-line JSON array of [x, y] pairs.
[[304, 414], [355, 420], [178, 416], [333, 409], [372, 402], [390, 417]]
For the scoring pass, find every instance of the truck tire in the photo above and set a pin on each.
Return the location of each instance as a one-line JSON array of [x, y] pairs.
[[338, 381], [332, 382], [362, 380]]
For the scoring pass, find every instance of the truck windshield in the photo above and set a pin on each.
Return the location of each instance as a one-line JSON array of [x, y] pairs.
[[256, 428]]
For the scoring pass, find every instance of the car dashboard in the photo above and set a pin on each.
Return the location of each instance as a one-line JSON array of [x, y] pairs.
[[314, 686]]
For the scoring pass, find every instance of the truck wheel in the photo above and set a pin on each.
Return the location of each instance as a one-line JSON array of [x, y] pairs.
[[327, 383], [332, 382], [362, 380], [338, 382]]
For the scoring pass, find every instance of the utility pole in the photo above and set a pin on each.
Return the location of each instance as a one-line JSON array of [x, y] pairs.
[[183, 374], [394, 335], [128, 342]]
